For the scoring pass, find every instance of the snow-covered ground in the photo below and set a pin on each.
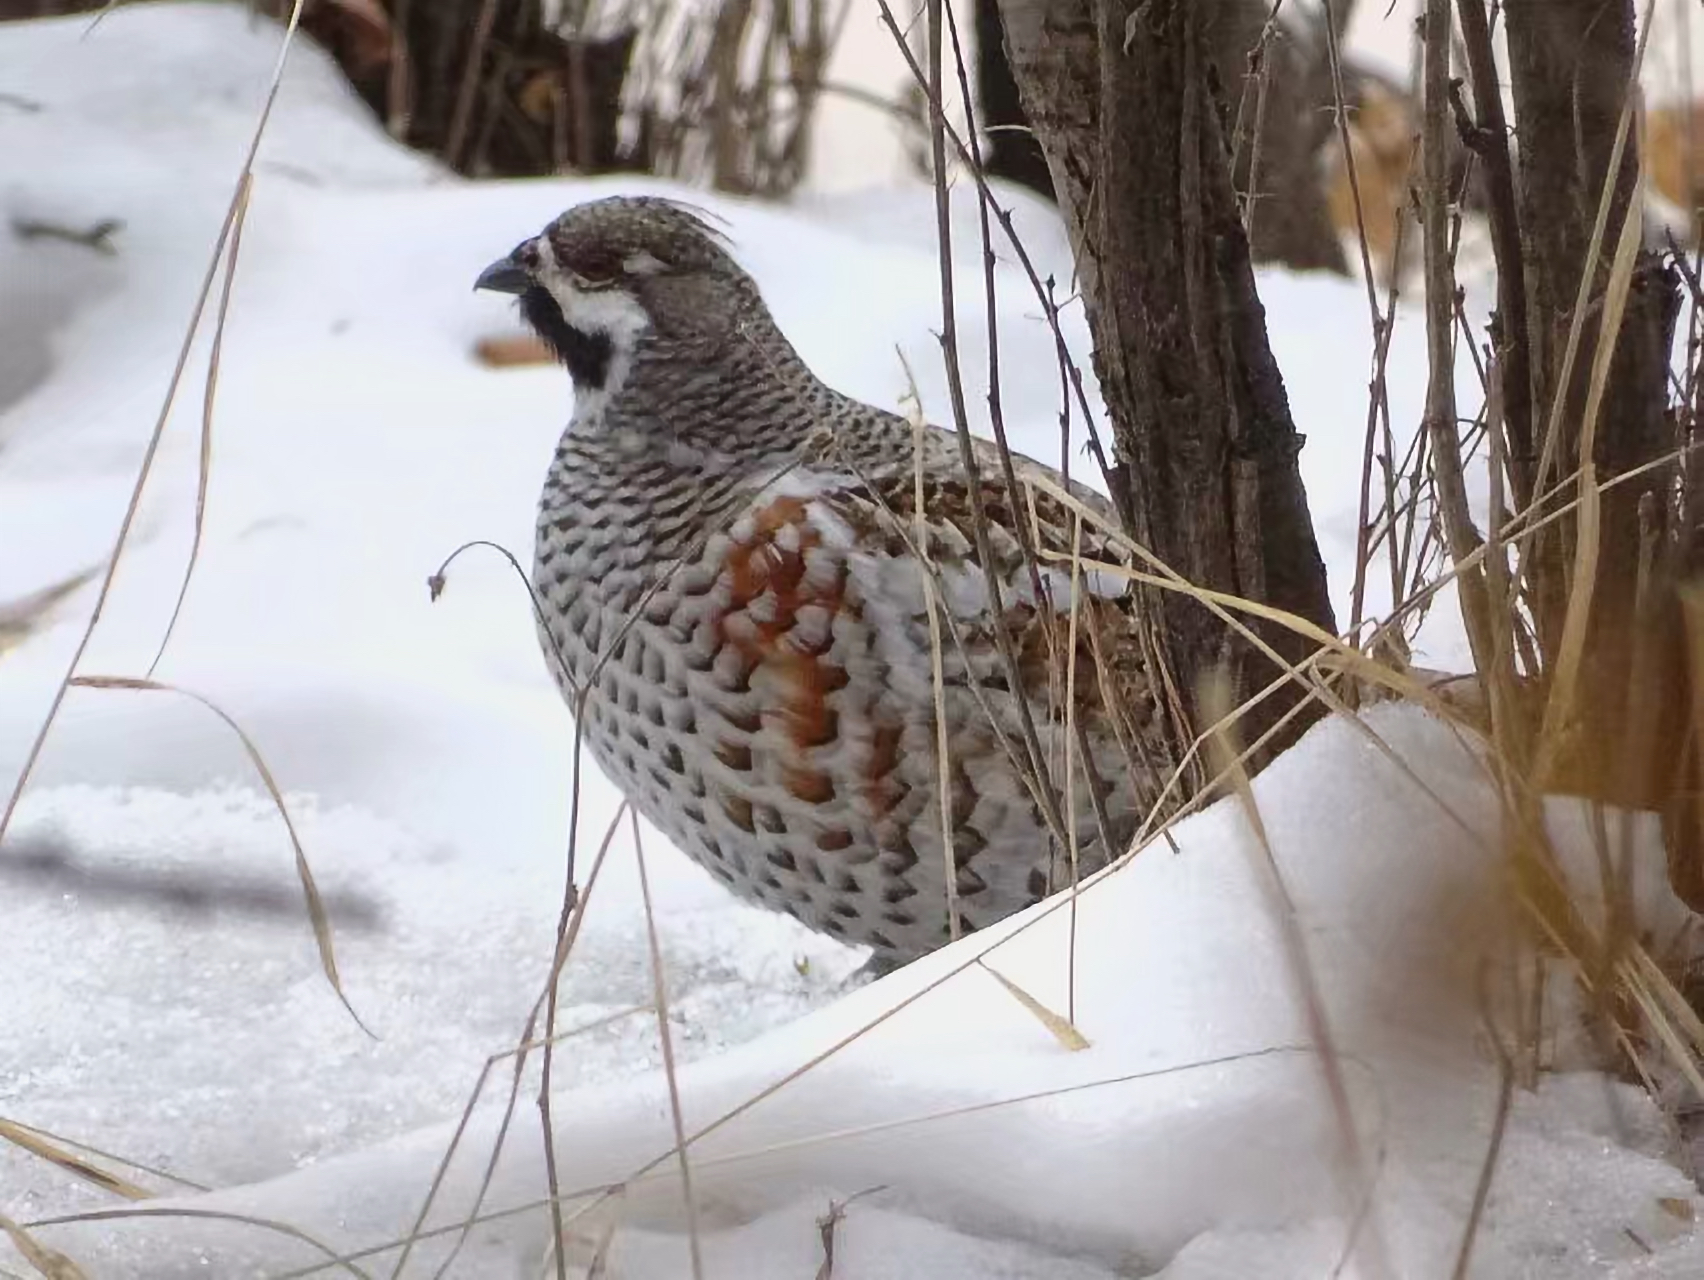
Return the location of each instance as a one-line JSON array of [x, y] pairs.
[[163, 999]]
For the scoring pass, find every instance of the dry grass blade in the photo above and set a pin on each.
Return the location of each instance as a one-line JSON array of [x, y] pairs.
[[1043, 290], [1529, 521], [1340, 117], [1353, 661], [1503, 604], [605, 1191], [564, 947], [245, 187], [573, 904], [1644, 972], [660, 996], [1073, 846], [600, 1193], [49, 1262], [332, 1257], [991, 318], [1589, 265], [937, 674], [1441, 427], [1665, 1030], [955, 395], [304, 873], [519, 1051], [1565, 678], [1225, 607], [43, 1148], [1353, 1172], [147, 464], [1062, 1029], [568, 921], [1368, 536], [1490, 143], [72, 1144], [810, 1064], [991, 1105], [1493, 1154], [571, 917], [932, 582]]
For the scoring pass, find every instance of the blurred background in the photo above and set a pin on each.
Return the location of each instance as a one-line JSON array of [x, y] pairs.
[[775, 97]]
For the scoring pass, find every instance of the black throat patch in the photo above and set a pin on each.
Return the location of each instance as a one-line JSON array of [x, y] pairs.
[[587, 355]]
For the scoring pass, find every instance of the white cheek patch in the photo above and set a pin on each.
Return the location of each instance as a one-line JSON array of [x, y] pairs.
[[611, 311]]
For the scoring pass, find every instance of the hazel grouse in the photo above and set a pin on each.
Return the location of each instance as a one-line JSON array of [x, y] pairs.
[[727, 550]]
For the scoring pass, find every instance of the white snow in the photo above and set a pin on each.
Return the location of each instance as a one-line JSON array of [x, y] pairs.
[[426, 760]]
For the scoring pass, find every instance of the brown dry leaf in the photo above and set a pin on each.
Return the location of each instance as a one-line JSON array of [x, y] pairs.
[[1675, 145], [537, 98], [1381, 137], [1676, 1208], [511, 349]]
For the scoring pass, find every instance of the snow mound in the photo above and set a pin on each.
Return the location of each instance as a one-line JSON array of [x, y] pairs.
[[1194, 1130]]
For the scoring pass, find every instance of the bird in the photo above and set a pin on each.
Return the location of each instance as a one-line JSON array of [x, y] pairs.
[[769, 608]]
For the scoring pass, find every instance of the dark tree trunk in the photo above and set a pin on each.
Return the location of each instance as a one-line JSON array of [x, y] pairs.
[[488, 90], [1136, 142], [20, 10], [492, 89], [1294, 223], [1011, 151], [1570, 64], [488, 86]]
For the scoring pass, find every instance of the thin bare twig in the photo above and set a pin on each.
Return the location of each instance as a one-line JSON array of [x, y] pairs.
[[1441, 429], [961, 418], [455, 141], [1489, 140], [665, 1039], [524, 1044], [937, 673]]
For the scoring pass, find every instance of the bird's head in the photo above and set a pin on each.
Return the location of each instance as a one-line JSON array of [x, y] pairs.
[[610, 274]]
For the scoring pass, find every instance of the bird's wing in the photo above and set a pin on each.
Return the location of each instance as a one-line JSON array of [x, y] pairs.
[[826, 544], [1060, 521]]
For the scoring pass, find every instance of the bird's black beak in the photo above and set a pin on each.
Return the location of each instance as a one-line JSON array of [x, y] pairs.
[[504, 276]]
